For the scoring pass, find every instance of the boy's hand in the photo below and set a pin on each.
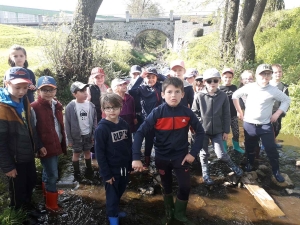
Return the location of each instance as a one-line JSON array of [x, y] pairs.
[[70, 144], [188, 158], [31, 87], [275, 116], [110, 181], [144, 74], [240, 115], [225, 136], [43, 152], [137, 165], [13, 173], [135, 121]]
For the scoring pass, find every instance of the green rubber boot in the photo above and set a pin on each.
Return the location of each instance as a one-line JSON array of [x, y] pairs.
[[225, 146], [180, 210], [169, 208], [236, 147]]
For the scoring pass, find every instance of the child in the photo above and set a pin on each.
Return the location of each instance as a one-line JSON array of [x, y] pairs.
[[50, 127], [190, 75], [80, 122], [212, 107], [276, 82], [150, 97], [171, 122], [119, 86], [229, 88], [178, 70], [18, 57], [17, 133], [198, 84], [258, 117], [113, 152]]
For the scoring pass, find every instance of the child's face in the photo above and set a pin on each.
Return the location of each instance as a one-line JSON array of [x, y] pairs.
[[190, 80], [99, 79], [277, 73], [18, 57], [81, 95], [47, 93], [227, 78], [263, 78], [151, 79], [172, 95], [17, 91], [135, 75], [247, 78], [178, 71], [121, 88], [112, 113], [212, 84]]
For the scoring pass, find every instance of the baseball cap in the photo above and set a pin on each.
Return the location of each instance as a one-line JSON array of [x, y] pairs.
[[151, 70], [228, 70], [264, 67], [135, 69], [191, 72], [77, 86], [177, 62], [97, 71], [17, 75], [210, 73], [46, 81], [117, 81], [199, 77]]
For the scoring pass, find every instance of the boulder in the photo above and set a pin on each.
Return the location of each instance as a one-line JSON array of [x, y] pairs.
[[286, 184]]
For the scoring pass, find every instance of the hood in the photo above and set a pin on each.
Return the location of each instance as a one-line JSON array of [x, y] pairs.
[[6, 99]]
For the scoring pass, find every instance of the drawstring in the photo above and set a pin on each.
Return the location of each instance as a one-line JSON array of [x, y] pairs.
[[125, 171]]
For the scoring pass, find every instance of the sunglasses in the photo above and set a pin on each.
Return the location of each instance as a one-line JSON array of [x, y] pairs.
[[212, 80]]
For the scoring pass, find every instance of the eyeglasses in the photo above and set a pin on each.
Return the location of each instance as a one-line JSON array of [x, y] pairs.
[[110, 109], [48, 90], [212, 80], [267, 74]]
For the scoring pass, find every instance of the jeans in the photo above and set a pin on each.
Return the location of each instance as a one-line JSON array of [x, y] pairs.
[[50, 172]]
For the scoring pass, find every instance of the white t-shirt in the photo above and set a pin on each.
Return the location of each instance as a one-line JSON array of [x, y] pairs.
[[83, 110]]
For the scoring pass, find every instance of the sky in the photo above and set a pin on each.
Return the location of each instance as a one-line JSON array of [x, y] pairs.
[[108, 7]]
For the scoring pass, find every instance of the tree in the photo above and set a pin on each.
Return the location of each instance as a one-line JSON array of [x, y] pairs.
[[249, 19], [76, 62], [275, 5]]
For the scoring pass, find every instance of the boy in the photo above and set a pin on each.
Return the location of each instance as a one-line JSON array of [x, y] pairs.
[[276, 82], [150, 97], [18, 138], [229, 88], [50, 127], [113, 152], [178, 70], [119, 86], [212, 108], [258, 117], [80, 122], [170, 122], [190, 75]]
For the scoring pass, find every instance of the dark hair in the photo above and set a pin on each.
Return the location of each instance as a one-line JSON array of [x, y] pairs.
[[112, 98], [17, 48], [175, 81]]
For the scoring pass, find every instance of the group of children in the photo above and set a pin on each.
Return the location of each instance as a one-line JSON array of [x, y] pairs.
[[160, 109]]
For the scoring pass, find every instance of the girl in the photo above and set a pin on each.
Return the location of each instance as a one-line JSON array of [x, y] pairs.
[[18, 57]]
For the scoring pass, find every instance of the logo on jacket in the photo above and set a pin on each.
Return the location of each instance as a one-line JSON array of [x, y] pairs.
[[183, 120], [119, 135]]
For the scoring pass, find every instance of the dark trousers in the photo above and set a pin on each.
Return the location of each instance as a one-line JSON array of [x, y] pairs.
[[21, 187], [114, 193], [140, 120], [264, 132], [149, 142], [277, 126], [182, 173]]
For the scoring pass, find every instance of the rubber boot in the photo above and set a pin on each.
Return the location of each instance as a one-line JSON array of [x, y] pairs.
[[225, 146], [169, 208], [76, 169], [89, 169], [257, 152], [147, 162], [113, 220], [237, 170], [205, 172], [44, 189], [250, 162], [51, 201], [180, 212], [236, 147]]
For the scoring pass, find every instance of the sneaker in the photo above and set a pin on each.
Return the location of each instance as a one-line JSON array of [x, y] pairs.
[[262, 148], [278, 176], [248, 167], [207, 180]]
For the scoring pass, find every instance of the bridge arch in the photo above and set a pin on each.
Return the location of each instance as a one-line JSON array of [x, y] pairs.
[[168, 36]]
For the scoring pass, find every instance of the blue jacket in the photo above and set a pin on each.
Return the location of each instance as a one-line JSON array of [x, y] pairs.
[[188, 95], [150, 97], [171, 126], [113, 148]]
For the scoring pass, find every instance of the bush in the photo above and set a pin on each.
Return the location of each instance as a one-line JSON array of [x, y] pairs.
[[12, 217]]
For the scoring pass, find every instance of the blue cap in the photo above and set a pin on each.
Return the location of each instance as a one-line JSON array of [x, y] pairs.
[[46, 81], [17, 75]]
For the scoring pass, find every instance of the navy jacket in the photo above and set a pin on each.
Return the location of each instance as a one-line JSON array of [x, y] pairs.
[[171, 126], [150, 97], [113, 148]]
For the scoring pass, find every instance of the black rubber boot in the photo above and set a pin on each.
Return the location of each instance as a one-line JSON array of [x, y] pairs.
[[169, 208]]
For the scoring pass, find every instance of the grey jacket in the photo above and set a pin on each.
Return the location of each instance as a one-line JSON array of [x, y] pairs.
[[72, 124], [212, 111]]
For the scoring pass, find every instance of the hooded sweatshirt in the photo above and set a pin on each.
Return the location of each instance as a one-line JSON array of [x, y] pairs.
[[113, 148]]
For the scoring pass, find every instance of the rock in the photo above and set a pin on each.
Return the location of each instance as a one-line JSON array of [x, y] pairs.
[[67, 184], [298, 163], [292, 191], [260, 173], [146, 191], [286, 184], [263, 167]]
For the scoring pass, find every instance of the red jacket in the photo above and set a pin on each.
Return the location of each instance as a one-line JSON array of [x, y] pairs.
[[46, 128]]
